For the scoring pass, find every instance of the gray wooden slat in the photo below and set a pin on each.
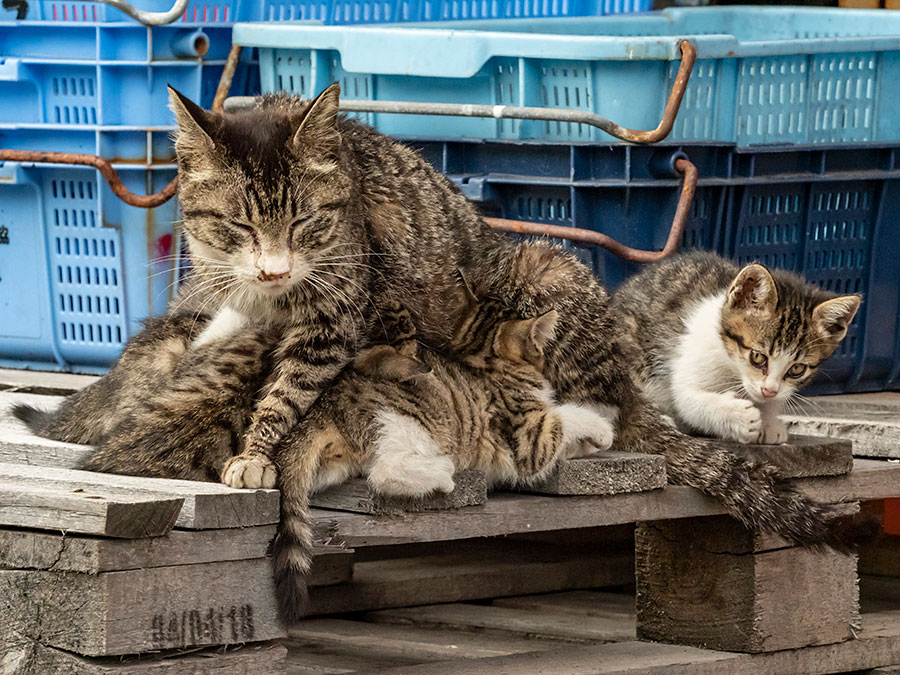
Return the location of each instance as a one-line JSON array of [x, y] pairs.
[[513, 513], [206, 505], [135, 611], [19, 446], [331, 565], [878, 645], [23, 549], [605, 473], [36, 379], [101, 511], [469, 575], [586, 603], [412, 643], [252, 659], [801, 456], [872, 422], [356, 495], [505, 620]]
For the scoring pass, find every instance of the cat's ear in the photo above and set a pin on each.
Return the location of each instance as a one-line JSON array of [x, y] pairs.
[[195, 125], [318, 133], [753, 290], [543, 329], [397, 364], [832, 317]]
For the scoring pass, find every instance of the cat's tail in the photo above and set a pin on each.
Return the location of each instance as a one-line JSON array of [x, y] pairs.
[[299, 460], [38, 421], [751, 492]]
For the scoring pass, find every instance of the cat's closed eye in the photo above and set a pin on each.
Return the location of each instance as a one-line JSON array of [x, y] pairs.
[[243, 227]]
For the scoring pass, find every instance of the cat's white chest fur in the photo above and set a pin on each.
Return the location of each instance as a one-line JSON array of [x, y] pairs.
[[226, 322], [704, 384]]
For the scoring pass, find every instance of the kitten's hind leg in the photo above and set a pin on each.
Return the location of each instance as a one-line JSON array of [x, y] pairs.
[[586, 428], [407, 460], [719, 415]]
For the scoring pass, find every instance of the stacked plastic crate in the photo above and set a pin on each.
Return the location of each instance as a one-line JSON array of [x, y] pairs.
[[79, 268], [790, 115]]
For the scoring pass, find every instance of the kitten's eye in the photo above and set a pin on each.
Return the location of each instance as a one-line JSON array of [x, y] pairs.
[[299, 222], [758, 359], [243, 227], [797, 370]]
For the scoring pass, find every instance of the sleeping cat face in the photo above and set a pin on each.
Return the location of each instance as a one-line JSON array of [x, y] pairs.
[[777, 330], [261, 191]]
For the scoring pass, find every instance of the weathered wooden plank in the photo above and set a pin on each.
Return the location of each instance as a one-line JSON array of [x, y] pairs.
[[24, 549], [206, 505], [583, 603], [101, 511], [44, 381], [878, 645], [251, 659], [310, 658], [412, 643], [135, 611], [331, 565], [874, 427], [801, 456], [605, 473], [357, 495], [508, 621], [701, 582], [512, 513], [19, 446], [474, 574]]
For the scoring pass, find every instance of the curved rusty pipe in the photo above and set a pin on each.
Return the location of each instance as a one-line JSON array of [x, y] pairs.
[[684, 166]]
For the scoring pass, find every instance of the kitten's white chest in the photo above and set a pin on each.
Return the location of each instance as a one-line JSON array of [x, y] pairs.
[[700, 359]]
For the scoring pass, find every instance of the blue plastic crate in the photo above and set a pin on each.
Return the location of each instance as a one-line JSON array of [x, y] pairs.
[[829, 214], [224, 12], [78, 267], [763, 76]]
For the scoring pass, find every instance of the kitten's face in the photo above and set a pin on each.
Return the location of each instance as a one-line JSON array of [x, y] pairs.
[[261, 192], [777, 337]]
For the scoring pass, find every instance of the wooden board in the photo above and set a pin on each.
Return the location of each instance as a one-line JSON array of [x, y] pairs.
[[801, 456], [23, 549], [513, 513], [30, 380], [253, 659], [357, 495], [579, 603], [505, 620], [206, 505], [142, 610], [878, 645], [331, 565], [478, 571], [91, 510], [873, 424], [701, 582], [605, 473]]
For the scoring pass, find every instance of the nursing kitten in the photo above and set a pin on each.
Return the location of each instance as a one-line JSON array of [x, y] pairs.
[[408, 418], [307, 222], [722, 348]]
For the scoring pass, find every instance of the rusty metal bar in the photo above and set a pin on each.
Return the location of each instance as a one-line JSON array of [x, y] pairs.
[[688, 188], [688, 57], [234, 55], [103, 166], [149, 18]]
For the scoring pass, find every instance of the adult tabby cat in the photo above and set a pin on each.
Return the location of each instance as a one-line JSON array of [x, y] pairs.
[[306, 221], [720, 348], [408, 418]]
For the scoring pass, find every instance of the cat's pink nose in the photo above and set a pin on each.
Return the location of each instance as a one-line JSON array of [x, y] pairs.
[[265, 275], [768, 393]]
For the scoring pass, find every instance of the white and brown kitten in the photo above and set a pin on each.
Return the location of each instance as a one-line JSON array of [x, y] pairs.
[[721, 349]]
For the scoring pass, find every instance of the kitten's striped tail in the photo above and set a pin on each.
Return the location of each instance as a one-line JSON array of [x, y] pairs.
[[299, 459], [37, 421], [751, 492]]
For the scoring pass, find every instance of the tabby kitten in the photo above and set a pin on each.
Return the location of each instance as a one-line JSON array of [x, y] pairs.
[[306, 222], [408, 418], [721, 348]]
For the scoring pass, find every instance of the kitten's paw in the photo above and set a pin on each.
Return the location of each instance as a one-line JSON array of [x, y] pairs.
[[773, 432], [585, 431], [744, 421], [249, 470]]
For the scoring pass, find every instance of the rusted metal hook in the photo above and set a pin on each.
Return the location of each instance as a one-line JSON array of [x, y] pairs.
[[688, 188]]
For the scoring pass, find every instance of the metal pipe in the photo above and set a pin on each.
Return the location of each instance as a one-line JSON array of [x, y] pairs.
[[190, 43], [234, 55], [148, 18], [103, 166], [688, 57], [583, 236]]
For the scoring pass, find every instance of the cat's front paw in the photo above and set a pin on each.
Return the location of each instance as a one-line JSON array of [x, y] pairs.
[[773, 432], [249, 470], [743, 420]]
